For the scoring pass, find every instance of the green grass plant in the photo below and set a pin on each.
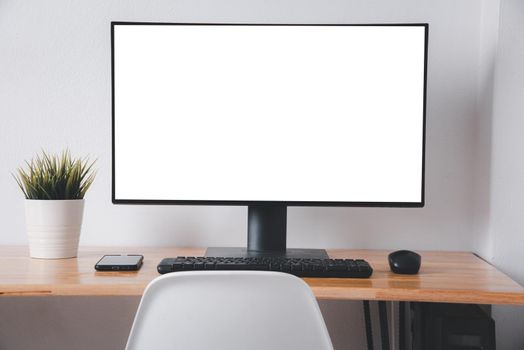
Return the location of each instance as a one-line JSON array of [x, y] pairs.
[[55, 177]]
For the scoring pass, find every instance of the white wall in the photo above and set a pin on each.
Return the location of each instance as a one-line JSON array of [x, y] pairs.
[[55, 93], [489, 26], [506, 228]]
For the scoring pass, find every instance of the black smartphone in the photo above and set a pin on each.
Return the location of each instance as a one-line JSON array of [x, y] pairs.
[[119, 263]]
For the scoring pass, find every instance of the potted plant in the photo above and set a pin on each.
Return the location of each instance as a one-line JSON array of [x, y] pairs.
[[54, 187]]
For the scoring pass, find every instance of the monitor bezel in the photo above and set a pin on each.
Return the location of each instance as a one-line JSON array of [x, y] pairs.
[[254, 202]]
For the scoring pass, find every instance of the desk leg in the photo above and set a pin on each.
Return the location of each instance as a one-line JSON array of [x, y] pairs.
[[367, 322], [402, 324], [384, 330]]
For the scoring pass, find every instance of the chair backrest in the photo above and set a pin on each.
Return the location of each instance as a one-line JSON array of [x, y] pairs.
[[234, 310]]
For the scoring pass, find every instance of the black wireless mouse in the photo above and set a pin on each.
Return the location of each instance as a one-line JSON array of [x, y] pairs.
[[404, 262]]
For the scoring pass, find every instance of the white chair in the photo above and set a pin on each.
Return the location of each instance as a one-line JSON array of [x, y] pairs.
[[233, 310]]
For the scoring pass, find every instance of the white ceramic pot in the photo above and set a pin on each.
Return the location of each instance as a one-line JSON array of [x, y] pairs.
[[53, 227]]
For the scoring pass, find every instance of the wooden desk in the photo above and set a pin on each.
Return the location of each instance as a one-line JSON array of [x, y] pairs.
[[453, 277]]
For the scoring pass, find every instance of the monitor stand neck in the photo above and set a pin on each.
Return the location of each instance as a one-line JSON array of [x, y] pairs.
[[266, 228], [266, 236]]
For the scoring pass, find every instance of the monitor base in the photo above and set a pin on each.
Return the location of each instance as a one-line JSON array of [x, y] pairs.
[[234, 252]]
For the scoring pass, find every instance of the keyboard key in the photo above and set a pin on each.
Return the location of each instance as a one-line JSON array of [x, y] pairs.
[[198, 266], [209, 265], [337, 267], [178, 267]]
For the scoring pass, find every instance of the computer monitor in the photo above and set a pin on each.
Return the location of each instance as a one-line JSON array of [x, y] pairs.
[[269, 116]]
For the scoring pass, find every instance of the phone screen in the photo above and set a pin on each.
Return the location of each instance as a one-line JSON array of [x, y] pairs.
[[120, 260]]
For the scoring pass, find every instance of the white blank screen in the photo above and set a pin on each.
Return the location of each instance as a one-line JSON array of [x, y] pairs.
[[269, 113]]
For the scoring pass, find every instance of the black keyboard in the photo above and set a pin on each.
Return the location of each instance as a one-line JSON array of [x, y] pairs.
[[337, 268]]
